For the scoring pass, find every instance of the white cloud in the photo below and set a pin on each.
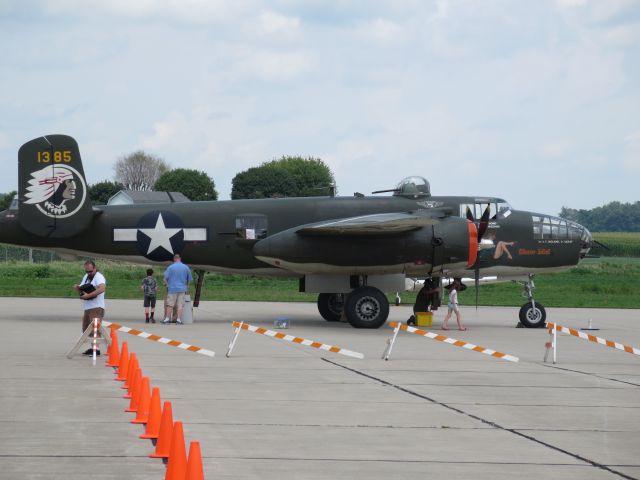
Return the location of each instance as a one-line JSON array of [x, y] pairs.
[[380, 31], [272, 65], [275, 23], [604, 11], [166, 132], [555, 149], [621, 36], [566, 4], [198, 12]]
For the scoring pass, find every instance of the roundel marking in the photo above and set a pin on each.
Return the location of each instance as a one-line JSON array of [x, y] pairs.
[[160, 235]]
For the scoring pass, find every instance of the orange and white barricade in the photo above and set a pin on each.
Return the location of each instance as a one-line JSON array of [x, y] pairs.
[[156, 338], [397, 326], [288, 338], [553, 343]]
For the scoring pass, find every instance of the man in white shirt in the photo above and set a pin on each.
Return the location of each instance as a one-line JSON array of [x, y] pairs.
[[91, 288]]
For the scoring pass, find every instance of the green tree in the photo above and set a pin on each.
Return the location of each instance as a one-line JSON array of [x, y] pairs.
[[263, 182], [5, 199], [612, 217], [101, 192], [193, 184], [286, 177]]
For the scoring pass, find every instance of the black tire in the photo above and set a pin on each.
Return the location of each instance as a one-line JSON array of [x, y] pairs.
[[366, 307], [533, 318], [330, 306]]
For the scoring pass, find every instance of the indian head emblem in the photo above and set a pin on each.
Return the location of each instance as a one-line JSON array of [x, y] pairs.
[[56, 190]]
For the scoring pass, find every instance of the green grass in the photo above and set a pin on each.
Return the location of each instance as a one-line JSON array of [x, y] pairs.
[[597, 282]]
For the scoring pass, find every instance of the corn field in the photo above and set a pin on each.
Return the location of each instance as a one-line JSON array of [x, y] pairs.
[[618, 244]]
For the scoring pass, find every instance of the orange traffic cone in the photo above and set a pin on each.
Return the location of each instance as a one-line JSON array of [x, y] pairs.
[[153, 425], [106, 360], [135, 393], [166, 430], [128, 383], [177, 468], [114, 354], [123, 366], [194, 464], [142, 415]]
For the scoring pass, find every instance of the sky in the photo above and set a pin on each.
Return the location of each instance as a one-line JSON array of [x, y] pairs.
[[535, 102]]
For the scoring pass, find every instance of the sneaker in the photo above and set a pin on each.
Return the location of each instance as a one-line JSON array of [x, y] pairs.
[[153, 320], [89, 352], [179, 322], [166, 321], [146, 321]]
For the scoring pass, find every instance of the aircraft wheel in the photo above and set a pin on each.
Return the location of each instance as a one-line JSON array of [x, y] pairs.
[[533, 318], [366, 307], [330, 306]]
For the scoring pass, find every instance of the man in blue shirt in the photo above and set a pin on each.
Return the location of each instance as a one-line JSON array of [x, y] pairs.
[[176, 279]]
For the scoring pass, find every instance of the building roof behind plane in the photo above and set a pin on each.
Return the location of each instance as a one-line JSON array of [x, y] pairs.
[[129, 197]]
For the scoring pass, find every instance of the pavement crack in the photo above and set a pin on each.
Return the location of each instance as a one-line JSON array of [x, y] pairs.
[[484, 420], [592, 375]]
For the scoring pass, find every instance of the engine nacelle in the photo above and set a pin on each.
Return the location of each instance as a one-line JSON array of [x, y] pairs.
[[450, 241]]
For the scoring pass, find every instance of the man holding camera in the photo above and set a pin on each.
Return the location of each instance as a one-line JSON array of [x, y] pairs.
[[91, 288]]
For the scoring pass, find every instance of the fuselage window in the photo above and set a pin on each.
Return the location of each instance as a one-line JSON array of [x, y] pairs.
[[251, 226]]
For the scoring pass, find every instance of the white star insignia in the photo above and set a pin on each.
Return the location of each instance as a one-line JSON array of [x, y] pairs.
[[160, 235]]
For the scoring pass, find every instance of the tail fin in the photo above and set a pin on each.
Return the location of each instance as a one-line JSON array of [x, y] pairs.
[[52, 190]]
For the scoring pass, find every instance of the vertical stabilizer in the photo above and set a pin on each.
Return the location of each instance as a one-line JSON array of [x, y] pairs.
[[52, 190]]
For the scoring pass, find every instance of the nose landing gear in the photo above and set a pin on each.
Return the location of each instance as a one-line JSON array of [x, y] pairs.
[[532, 313]]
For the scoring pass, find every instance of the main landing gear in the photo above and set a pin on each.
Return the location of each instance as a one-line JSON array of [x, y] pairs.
[[532, 313], [330, 306], [364, 307]]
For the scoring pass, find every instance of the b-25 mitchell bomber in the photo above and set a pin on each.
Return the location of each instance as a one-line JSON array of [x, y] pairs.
[[349, 250]]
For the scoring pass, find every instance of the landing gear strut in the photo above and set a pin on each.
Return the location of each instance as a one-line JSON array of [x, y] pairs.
[[532, 313]]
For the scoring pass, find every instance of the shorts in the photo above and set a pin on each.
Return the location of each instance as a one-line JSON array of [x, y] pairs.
[[89, 315], [452, 306], [150, 301], [175, 299]]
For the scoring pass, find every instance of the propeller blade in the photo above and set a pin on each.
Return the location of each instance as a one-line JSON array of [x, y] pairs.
[[484, 223], [470, 215]]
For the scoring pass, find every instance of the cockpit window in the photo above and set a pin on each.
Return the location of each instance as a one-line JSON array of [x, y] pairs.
[[547, 227], [14, 204], [413, 187]]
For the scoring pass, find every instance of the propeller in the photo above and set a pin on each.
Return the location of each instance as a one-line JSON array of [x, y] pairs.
[[483, 224]]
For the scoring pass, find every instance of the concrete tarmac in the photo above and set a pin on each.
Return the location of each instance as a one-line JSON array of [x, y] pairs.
[[277, 410]]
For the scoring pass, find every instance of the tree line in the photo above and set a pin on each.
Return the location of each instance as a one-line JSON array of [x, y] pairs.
[[612, 217], [289, 176]]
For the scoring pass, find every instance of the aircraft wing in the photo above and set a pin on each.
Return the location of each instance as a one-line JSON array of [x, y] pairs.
[[373, 225]]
